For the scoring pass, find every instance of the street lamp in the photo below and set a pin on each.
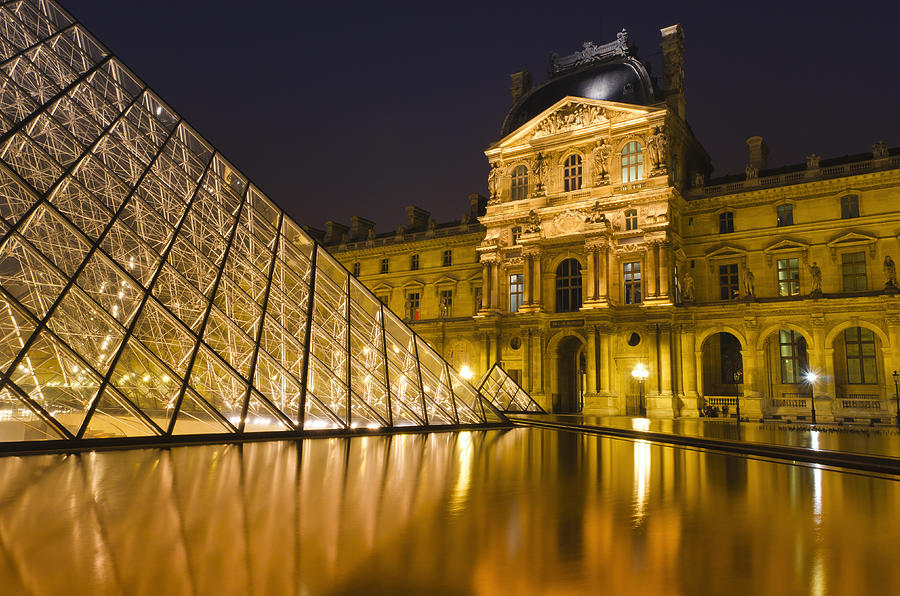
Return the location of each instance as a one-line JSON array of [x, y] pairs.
[[640, 374], [466, 372], [811, 379], [897, 394]]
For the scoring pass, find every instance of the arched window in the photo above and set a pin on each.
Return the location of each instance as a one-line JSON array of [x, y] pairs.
[[632, 162], [794, 358], [572, 172], [518, 188], [568, 286]]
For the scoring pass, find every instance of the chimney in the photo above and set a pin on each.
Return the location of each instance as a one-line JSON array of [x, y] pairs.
[[672, 45], [334, 232], [759, 153], [520, 84], [359, 228], [416, 218], [477, 205], [317, 234]]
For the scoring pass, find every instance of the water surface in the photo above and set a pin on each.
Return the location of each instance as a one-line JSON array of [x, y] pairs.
[[489, 512]]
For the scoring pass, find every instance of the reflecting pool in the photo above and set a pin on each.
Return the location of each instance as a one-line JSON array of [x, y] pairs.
[[487, 512]]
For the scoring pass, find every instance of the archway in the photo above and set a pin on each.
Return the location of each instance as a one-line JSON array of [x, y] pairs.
[[569, 376], [786, 364], [722, 370], [860, 375]]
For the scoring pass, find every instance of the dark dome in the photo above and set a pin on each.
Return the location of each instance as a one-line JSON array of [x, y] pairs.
[[622, 80]]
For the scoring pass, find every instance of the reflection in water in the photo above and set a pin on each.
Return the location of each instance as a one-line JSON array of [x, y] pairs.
[[487, 512]]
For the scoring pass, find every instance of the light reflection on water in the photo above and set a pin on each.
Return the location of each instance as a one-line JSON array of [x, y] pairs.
[[518, 512]]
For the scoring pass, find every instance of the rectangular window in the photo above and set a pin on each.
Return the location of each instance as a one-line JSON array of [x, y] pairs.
[[785, 215], [632, 277], [849, 206], [384, 265], [788, 277], [726, 222], [414, 262], [729, 283], [631, 220], [356, 269], [853, 269], [448, 258], [516, 232], [516, 291], [860, 344], [446, 303], [794, 360], [413, 298]]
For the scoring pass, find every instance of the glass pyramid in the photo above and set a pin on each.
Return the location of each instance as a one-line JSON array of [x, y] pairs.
[[505, 394], [148, 288]]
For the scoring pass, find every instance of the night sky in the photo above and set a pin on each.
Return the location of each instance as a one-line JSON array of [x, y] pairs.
[[338, 109]]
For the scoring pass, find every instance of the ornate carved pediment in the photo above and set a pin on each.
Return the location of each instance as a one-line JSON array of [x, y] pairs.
[[786, 246], [722, 253], [850, 240], [564, 224], [574, 115]]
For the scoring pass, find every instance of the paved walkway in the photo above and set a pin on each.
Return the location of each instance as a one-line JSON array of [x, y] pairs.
[[883, 442]]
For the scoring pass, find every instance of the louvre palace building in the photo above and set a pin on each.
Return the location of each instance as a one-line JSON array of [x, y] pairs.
[[610, 274]]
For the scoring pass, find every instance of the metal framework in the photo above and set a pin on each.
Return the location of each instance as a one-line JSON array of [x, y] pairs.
[[149, 289], [505, 394]]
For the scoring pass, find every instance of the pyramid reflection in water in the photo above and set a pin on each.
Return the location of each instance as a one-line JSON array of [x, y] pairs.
[[148, 288], [505, 393]]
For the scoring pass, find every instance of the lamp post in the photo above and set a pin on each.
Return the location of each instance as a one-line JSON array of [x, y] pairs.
[[640, 373], [811, 379], [896, 376]]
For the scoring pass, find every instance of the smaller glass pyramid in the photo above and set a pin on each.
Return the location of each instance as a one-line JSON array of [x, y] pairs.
[[505, 394]]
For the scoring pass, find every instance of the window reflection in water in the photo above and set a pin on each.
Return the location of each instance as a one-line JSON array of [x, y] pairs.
[[413, 513]]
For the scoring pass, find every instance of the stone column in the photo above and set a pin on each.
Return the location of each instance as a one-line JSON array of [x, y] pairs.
[[538, 282], [653, 361], [604, 363], [495, 286], [485, 286], [665, 361], [751, 403], [589, 294], [689, 407], [824, 387], [527, 277], [652, 270], [529, 365], [603, 274], [486, 343], [590, 352], [664, 273]]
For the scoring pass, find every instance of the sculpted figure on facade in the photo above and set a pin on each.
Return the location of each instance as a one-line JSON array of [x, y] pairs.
[[602, 153], [752, 172], [657, 144], [687, 287], [408, 310], [539, 170], [699, 180], [812, 162], [749, 289], [494, 183], [890, 272], [477, 300], [815, 275], [595, 216], [533, 223], [443, 308], [880, 150]]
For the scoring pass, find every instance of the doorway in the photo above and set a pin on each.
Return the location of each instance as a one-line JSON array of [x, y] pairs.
[[570, 376]]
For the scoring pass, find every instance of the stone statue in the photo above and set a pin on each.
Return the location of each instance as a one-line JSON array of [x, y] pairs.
[[595, 216], [431, 224], [815, 275], [890, 272], [443, 308], [477, 300], [408, 311], [812, 162], [494, 181], [687, 288], [656, 146], [749, 290], [533, 224], [601, 162], [880, 150], [539, 169], [699, 180], [752, 172], [371, 235], [464, 220]]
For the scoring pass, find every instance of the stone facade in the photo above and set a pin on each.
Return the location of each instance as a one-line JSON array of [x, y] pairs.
[[603, 247]]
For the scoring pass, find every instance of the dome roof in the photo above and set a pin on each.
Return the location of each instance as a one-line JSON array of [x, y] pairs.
[[622, 79]]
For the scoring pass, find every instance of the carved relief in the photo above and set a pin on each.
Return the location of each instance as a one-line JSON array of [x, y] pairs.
[[539, 171], [657, 144], [533, 225], [494, 183], [570, 222], [601, 154]]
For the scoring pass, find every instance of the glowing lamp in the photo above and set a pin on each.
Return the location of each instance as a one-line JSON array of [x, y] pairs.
[[640, 372], [466, 372]]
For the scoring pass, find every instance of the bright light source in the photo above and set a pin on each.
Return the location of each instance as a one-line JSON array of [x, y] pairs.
[[466, 372], [640, 372], [811, 377]]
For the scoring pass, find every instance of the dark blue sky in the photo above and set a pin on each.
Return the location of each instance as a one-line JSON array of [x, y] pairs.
[[339, 108]]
